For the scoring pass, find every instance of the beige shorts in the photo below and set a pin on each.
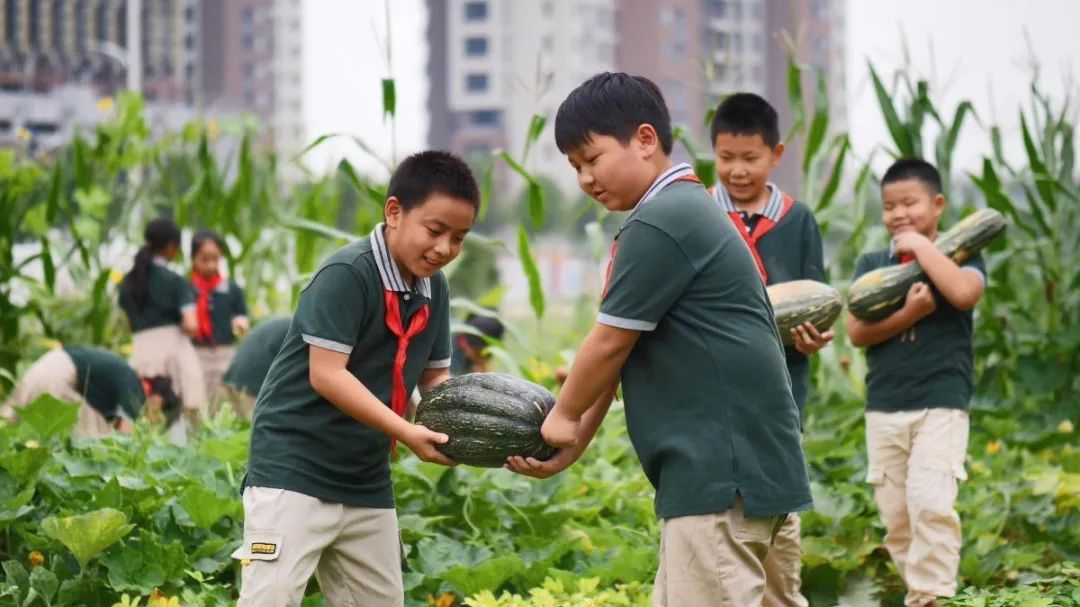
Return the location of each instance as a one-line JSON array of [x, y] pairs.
[[54, 373], [354, 553]]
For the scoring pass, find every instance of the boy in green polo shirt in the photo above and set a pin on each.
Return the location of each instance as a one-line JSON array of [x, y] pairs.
[[919, 380], [373, 323], [786, 244], [686, 325]]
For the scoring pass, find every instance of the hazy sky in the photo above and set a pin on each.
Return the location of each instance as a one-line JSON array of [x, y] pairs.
[[968, 49]]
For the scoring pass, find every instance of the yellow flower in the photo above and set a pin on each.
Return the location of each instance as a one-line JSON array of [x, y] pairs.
[[993, 447], [105, 104], [444, 600], [115, 276], [32, 444], [212, 129], [158, 599], [23, 133], [1065, 427], [127, 349], [36, 559]]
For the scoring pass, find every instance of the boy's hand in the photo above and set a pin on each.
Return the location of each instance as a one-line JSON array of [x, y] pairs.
[[808, 340], [560, 431], [240, 325], [422, 442], [530, 466], [909, 242], [920, 300]]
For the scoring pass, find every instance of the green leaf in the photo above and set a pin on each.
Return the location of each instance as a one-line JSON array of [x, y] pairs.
[[145, 562], [1038, 169], [536, 289], [490, 574], [15, 573], [833, 183], [819, 124], [24, 464], [45, 583], [795, 98], [48, 268], [49, 417], [389, 98], [897, 129], [87, 535], [487, 185], [204, 507], [536, 193], [536, 127]]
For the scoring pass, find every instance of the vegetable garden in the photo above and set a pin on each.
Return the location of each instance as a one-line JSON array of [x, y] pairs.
[[136, 520]]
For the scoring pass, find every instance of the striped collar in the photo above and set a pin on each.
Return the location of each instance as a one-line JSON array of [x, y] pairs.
[[773, 208], [665, 179], [388, 268]]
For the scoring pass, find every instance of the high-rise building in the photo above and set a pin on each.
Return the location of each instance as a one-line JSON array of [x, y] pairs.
[[211, 56], [252, 54], [493, 64], [698, 51]]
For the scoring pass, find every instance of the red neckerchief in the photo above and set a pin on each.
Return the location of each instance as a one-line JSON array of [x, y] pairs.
[[399, 397], [764, 224], [615, 243], [204, 287]]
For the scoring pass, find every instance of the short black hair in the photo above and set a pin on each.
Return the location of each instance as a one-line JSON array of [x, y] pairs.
[[161, 385], [746, 114], [489, 326], [917, 169], [433, 172], [613, 104]]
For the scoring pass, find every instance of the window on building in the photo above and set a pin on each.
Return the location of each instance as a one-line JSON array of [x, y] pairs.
[[757, 11], [484, 118], [476, 83], [476, 11], [819, 10], [716, 9], [547, 8], [248, 16], [476, 46], [678, 100], [189, 14], [249, 41]]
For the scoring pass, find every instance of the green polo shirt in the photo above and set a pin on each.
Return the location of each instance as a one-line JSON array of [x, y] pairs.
[[931, 365], [791, 250], [168, 294], [226, 303], [107, 382], [300, 441], [708, 400], [253, 358]]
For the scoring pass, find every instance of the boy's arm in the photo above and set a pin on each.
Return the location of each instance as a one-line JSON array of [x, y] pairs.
[[806, 339], [333, 381], [564, 458], [961, 287], [650, 272], [918, 305]]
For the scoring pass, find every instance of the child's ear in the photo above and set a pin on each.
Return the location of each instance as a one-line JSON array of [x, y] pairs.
[[393, 212], [939, 204], [648, 140], [778, 153]]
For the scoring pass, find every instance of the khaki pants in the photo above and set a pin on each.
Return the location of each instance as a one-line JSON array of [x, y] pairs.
[[916, 459], [214, 361], [714, 560], [168, 351], [783, 567], [54, 373], [355, 553]]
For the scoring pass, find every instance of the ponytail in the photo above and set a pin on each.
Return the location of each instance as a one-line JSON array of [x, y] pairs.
[[159, 234]]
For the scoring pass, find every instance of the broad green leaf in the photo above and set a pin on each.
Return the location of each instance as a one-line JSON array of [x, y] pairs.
[[204, 507], [44, 582], [23, 465], [1038, 169], [87, 535], [528, 265], [49, 417], [469, 579], [145, 562]]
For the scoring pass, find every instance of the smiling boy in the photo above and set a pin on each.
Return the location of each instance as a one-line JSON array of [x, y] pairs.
[[373, 323]]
